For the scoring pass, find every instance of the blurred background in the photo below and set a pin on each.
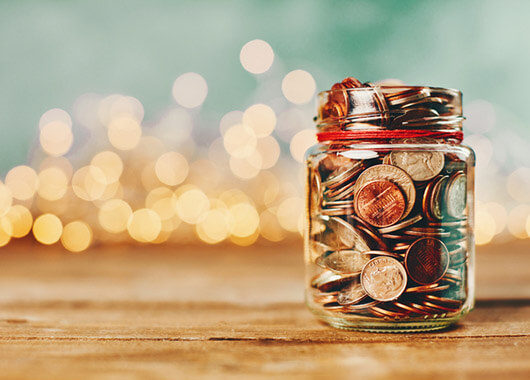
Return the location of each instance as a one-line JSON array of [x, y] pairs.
[[185, 122]]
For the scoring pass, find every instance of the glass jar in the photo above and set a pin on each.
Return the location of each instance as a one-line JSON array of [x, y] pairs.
[[389, 240]]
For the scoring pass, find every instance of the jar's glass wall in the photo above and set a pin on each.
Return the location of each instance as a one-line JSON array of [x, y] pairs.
[[389, 234]]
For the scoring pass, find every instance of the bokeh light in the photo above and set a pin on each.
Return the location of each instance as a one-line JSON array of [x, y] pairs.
[[144, 225], [190, 90], [240, 141], [114, 215], [53, 183], [20, 219], [89, 183], [56, 138], [290, 214], [192, 205], [6, 231], [256, 56], [261, 118], [124, 132], [110, 164], [22, 181], [77, 236], [47, 229], [298, 87], [171, 168], [215, 227], [245, 220], [5, 199], [301, 142]]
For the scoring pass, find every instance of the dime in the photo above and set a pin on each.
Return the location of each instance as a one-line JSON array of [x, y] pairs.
[[351, 294], [455, 195], [419, 165], [347, 261], [427, 260], [380, 203], [384, 278], [393, 174]]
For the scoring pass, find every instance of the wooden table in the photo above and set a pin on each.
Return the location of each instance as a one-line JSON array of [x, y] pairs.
[[219, 312]]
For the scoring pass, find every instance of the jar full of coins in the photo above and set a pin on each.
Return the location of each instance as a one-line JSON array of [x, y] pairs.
[[390, 190]]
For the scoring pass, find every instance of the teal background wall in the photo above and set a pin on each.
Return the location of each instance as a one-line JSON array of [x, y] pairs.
[[53, 51]]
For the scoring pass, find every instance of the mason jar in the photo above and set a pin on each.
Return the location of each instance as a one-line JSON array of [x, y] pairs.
[[389, 240]]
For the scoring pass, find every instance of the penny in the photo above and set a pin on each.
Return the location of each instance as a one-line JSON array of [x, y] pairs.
[[380, 203], [351, 294], [427, 260], [419, 165], [425, 288], [351, 82], [384, 278], [346, 261], [456, 195], [393, 174]]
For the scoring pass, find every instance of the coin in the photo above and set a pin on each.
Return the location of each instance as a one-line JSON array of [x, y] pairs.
[[380, 203], [351, 82], [427, 260], [315, 193], [455, 195], [342, 235], [393, 174], [403, 224], [384, 278], [329, 281], [351, 294], [419, 165], [346, 261], [435, 204]]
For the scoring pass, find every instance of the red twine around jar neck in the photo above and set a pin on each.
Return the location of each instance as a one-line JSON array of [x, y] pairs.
[[388, 134]]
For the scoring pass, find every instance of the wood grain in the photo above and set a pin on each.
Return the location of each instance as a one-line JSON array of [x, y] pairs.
[[219, 312]]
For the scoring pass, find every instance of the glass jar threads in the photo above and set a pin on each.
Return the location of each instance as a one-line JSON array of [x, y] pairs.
[[389, 234]]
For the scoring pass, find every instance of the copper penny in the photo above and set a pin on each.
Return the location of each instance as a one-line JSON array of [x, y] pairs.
[[392, 174], [427, 260], [380, 203]]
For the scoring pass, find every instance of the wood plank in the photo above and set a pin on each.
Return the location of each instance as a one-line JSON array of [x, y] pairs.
[[222, 312]]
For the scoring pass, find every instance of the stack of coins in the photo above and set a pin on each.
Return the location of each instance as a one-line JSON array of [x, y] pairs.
[[388, 226]]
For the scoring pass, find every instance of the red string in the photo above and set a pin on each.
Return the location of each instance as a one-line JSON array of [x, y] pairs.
[[388, 134]]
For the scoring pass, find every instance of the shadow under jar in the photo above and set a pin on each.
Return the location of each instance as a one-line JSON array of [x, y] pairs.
[[389, 228]]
